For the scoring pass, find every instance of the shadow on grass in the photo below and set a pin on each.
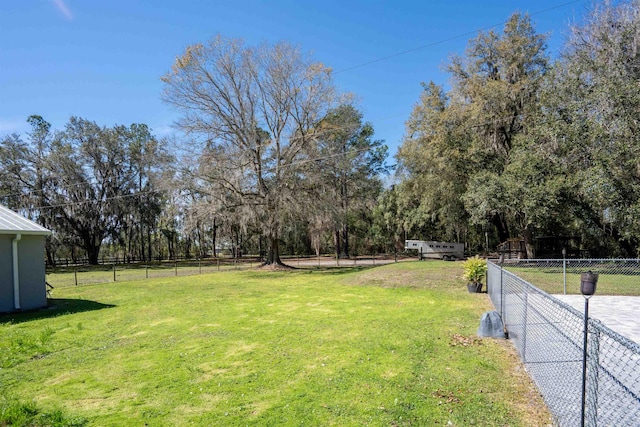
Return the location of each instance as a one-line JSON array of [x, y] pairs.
[[344, 270], [268, 271], [57, 307], [334, 270]]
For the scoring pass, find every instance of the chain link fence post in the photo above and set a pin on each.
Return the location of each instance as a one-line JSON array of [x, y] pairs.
[[524, 324], [564, 272], [593, 372], [502, 315]]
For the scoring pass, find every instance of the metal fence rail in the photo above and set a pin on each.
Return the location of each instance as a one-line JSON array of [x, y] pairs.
[[548, 335], [617, 276], [76, 275]]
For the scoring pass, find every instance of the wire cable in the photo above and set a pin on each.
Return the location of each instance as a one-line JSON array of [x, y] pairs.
[[459, 36]]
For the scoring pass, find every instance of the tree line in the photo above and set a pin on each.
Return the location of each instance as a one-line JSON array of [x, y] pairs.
[[90, 185], [273, 159], [523, 146]]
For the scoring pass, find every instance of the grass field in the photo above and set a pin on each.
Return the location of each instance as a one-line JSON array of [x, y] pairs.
[[61, 277], [386, 346], [552, 281]]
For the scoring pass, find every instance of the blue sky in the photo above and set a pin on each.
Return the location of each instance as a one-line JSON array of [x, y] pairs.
[[102, 60]]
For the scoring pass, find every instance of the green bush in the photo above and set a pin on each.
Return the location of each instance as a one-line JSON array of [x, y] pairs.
[[475, 269]]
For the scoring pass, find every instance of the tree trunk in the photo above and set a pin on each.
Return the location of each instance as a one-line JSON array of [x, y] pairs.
[[169, 235], [527, 235], [129, 233], [200, 241], [187, 247], [93, 252], [214, 234], [316, 243], [501, 226], [49, 251], [149, 249], [236, 242], [344, 202], [344, 253], [273, 256], [142, 248]]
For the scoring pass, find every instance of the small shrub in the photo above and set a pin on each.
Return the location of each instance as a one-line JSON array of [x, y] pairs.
[[475, 269]]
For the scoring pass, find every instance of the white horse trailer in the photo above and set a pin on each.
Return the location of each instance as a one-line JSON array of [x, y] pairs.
[[436, 250]]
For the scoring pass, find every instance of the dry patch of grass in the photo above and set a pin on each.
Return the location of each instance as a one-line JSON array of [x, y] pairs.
[[464, 341], [427, 274]]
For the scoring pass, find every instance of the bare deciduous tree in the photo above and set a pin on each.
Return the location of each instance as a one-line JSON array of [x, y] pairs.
[[252, 111]]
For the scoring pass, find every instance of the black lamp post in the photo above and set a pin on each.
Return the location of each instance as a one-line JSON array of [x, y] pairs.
[[588, 282], [564, 268]]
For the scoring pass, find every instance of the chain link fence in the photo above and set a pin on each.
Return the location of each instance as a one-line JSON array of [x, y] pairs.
[[558, 276], [548, 335]]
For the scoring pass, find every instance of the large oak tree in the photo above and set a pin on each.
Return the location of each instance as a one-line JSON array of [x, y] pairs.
[[252, 112]]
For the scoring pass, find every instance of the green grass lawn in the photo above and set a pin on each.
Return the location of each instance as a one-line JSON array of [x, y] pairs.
[[387, 346]]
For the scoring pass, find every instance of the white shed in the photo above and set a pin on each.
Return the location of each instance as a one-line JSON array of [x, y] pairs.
[[22, 265]]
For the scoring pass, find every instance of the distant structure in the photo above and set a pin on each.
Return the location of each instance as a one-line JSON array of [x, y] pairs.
[[513, 249], [545, 247], [22, 265], [436, 250]]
